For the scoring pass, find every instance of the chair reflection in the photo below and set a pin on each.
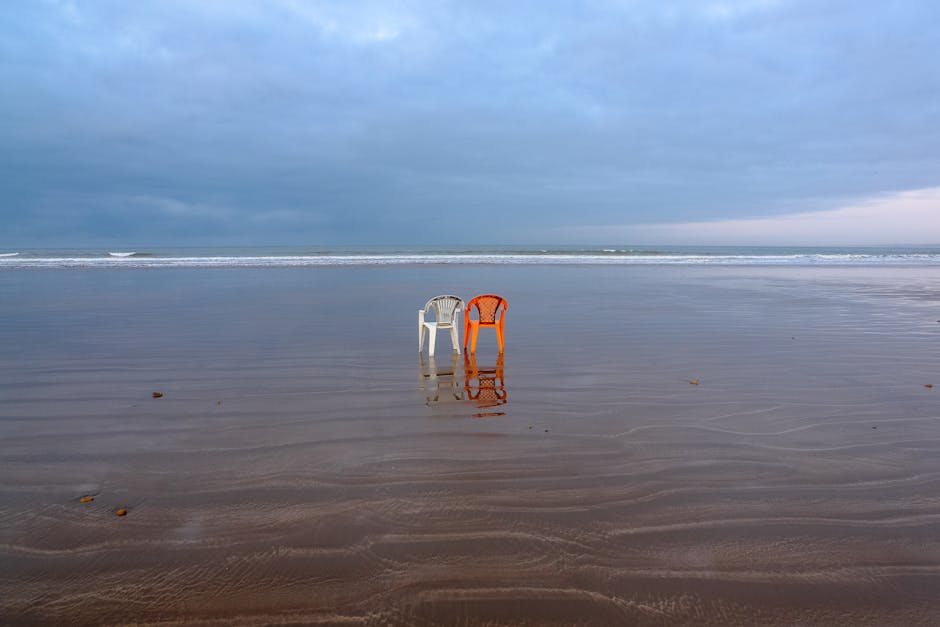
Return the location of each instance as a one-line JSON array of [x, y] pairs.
[[485, 386], [439, 383]]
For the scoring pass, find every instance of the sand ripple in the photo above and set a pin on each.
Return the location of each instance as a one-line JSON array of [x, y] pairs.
[[303, 476]]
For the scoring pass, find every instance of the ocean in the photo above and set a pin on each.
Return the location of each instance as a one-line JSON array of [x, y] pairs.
[[293, 256]]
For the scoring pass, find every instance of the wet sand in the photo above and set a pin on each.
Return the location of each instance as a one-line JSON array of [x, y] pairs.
[[304, 466]]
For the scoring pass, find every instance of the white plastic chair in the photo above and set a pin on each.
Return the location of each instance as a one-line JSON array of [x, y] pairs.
[[446, 312]]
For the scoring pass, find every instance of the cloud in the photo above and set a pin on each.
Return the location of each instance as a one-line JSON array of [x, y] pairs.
[[172, 208], [354, 121], [732, 9], [910, 217], [354, 23]]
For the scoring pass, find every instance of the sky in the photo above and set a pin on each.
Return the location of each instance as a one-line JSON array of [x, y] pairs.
[[438, 122]]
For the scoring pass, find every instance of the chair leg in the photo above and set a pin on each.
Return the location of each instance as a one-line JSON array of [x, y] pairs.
[[499, 338], [455, 339], [432, 337], [473, 342], [421, 332], [466, 334]]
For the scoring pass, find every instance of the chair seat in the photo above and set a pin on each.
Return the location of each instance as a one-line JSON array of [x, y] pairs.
[[438, 325]]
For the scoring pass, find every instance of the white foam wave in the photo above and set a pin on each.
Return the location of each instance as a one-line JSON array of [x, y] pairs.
[[914, 259]]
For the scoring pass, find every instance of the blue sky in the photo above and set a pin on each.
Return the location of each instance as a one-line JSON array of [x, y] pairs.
[[296, 122]]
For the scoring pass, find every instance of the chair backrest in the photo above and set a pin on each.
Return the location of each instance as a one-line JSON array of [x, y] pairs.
[[444, 307], [488, 306]]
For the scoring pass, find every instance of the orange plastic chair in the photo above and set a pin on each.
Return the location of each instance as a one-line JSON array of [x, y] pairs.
[[488, 306]]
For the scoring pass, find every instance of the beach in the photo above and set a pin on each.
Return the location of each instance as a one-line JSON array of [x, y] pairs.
[[753, 445]]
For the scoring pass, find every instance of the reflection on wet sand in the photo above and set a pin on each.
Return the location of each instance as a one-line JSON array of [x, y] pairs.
[[439, 383], [485, 386]]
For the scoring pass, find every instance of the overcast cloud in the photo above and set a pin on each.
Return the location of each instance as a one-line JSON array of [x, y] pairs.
[[291, 121]]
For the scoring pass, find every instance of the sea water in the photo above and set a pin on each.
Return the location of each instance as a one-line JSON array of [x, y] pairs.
[[291, 256]]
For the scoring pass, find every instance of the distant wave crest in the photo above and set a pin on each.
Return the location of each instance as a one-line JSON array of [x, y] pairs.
[[601, 257]]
